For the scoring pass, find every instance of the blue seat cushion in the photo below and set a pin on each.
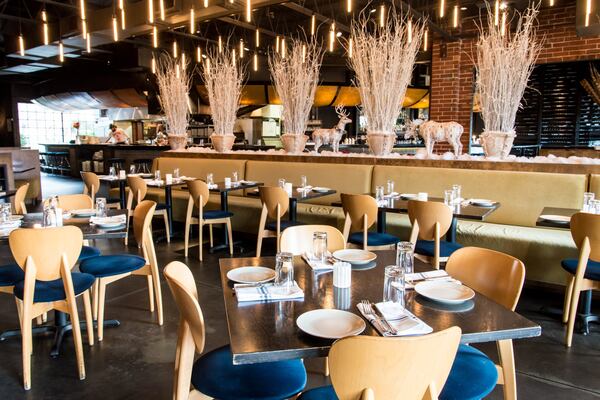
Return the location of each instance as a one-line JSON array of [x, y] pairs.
[[473, 376], [88, 252], [592, 270], [10, 274], [425, 247], [319, 393], [216, 214], [283, 224], [215, 375], [103, 266], [373, 239], [46, 291]]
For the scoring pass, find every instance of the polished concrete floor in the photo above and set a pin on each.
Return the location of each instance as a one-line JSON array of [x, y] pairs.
[[135, 360]]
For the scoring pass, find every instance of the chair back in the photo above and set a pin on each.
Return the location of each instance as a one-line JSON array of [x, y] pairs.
[[91, 184], [142, 220], [358, 207], [46, 247], [494, 274], [138, 188], [298, 239], [70, 202], [198, 188], [20, 196], [585, 225], [392, 368], [427, 214], [271, 197]]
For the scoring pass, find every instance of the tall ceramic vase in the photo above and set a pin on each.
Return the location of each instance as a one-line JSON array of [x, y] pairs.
[[381, 143], [177, 142], [294, 144], [497, 144], [222, 143]]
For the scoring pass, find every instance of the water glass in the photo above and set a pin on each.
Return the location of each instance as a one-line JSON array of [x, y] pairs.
[[595, 207], [176, 173], [390, 186], [5, 212], [281, 183], [449, 197], [234, 178], [379, 194], [457, 192], [405, 257], [393, 285], [303, 181], [157, 175], [100, 207], [132, 169], [112, 172], [320, 246], [284, 271], [588, 197], [209, 179]]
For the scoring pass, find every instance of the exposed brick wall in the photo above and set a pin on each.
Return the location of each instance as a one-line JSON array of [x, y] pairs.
[[452, 77]]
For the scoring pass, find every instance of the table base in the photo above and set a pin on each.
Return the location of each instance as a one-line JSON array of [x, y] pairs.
[[582, 319]]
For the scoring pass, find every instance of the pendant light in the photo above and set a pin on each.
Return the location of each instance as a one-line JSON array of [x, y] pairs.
[[45, 27], [255, 62], [155, 37], [151, 11]]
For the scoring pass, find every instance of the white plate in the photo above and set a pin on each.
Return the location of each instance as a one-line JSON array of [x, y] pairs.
[[110, 225], [86, 212], [251, 274], [320, 189], [562, 219], [408, 196], [355, 256], [330, 324], [482, 202], [15, 218], [445, 292]]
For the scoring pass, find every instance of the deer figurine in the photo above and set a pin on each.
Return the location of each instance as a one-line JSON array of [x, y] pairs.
[[332, 136], [433, 132]]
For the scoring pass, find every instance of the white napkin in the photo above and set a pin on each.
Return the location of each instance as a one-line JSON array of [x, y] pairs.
[[107, 220], [436, 275], [317, 265], [304, 189], [393, 313], [244, 182], [212, 186], [154, 182], [266, 292]]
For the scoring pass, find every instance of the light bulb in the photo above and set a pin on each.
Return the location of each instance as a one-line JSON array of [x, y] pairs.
[[283, 47], [83, 28], [248, 10], [175, 52], [332, 37], [82, 8], [153, 65], [257, 38], [350, 47], [303, 52], [155, 37], [496, 12], [220, 44], [123, 18], [241, 48], [205, 3], [425, 37], [313, 24], [61, 52], [151, 11], [192, 21], [161, 4], [277, 44], [88, 44], [255, 62], [455, 17], [21, 45], [409, 31], [115, 28], [349, 6], [198, 54], [442, 8]]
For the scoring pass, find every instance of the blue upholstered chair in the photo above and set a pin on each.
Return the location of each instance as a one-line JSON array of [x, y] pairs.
[[430, 221], [110, 268], [368, 367], [360, 211], [275, 204], [499, 277], [583, 273], [213, 373]]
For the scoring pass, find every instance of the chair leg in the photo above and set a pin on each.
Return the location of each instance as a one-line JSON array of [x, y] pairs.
[[230, 234], [186, 239], [507, 362], [89, 322], [39, 320], [44, 317], [200, 226], [166, 218], [572, 314], [19, 310], [101, 298], [210, 235], [95, 300], [568, 295], [26, 347], [158, 297], [150, 293], [72, 304], [259, 243]]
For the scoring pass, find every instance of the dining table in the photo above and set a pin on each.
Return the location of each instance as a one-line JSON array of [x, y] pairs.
[[264, 331], [300, 195], [122, 183], [563, 212]]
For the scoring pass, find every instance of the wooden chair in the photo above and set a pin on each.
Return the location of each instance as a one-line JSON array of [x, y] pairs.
[[49, 284], [408, 368], [199, 195], [298, 239], [19, 205], [360, 211], [111, 268], [275, 204], [137, 193], [499, 277], [214, 374], [430, 221], [582, 273], [91, 186]]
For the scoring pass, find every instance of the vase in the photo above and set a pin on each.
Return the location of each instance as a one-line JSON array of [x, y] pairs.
[[497, 144], [381, 143], [294, 144], [222, 143], [177, 142]]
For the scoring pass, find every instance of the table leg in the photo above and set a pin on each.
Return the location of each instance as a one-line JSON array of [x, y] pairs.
[[451, 234], [381, 220], [293, 209], [168, 204], [122, 196], [224, 207]]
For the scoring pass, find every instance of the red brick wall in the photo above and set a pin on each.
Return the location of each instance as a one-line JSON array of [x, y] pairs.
[[451, 97]]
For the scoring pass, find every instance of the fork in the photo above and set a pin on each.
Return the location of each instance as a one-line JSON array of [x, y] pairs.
[[370, 312]]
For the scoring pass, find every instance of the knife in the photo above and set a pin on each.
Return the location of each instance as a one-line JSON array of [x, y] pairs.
[[384, 321]]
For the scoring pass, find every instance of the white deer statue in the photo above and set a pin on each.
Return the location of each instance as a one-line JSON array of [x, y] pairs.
[[332, 136], [433, 132]]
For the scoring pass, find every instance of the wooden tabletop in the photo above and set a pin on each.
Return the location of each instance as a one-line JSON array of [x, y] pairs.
[[303, 195], [266, 331], [567, 212]]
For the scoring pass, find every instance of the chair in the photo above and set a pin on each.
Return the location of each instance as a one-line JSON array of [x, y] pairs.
[[117, 163], [369, 368], [430, 221], [199, 195], [360, 211], [499, 277], [91, 186], [214, 374], [137, 193], [298, 239], [49, 284], [584, 273], [20, 207], [275, 203], [69, 202], [111, 268]]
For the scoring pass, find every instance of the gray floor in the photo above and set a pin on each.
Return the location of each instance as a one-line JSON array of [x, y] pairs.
[[136, 359]]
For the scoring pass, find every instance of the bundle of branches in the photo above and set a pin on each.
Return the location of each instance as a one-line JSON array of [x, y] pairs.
[[174, 82], [592, 85]]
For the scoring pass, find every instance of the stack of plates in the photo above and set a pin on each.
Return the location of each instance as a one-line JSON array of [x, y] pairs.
[[561, 219]]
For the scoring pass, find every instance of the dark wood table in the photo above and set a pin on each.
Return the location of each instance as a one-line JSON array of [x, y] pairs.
[[567, 212], [267, 331], [299, 197], [7, 194], [122, 184]]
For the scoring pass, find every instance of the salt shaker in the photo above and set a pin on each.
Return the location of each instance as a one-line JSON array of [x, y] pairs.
[[342, 274]]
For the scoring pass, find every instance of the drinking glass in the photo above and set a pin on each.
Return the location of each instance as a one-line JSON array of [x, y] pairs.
[[449, 197], [284, 271], [393, 284], [588, 197], [405, 257], [176, 173], [209, 179], [100, 207], [457, 192], [5, 212], [320, 246], [379, 194], [132, 169], [390, 186], [234, 178], [157, 175], [595, 207], [281, 183], [112, 172], [303, 181]]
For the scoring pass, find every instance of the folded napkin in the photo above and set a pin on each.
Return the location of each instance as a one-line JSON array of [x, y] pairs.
[[154, 182], [436, 275], [187, 178], [266, 292], [304, 189], [318, 265], [402, 320], [107, 220], [243, 182], [11, 224], [212, 185], [392, 195]]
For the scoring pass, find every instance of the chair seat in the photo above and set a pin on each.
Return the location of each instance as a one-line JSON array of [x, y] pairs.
[[283, 224], [215, 375], [216, 214], [46, 291], [319, 393], [592, 269], [426, 248], [103, 266], [10, 274], [88, 252], [473, 376], [373, 239]]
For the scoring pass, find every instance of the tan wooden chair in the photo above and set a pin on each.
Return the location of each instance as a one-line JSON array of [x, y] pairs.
[[583, 273], [408, 368], [47, 266], [199, 196], [299, 239], [430, 221], [137, 193], [275, 204], [69, 202], [360, 211], [499, 277], [91, 186], [110, 268], [19, 205]]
